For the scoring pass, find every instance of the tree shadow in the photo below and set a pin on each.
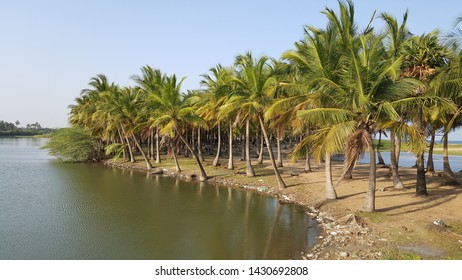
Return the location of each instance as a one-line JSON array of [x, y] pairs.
[[435, 198]]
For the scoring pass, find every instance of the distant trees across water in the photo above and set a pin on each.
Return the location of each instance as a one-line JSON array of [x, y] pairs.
[[14, 129]]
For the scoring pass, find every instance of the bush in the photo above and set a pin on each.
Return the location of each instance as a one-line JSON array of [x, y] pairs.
[[72, 144]]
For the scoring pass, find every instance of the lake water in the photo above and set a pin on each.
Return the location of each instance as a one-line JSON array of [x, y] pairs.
[[408, 159], [52, 210]]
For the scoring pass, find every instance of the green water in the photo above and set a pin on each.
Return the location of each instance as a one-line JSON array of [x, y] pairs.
[[52, 210]]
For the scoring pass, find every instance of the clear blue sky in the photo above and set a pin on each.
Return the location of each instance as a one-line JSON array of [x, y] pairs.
[[50, 49]]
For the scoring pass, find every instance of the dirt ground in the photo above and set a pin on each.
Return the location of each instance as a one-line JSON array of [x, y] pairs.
[[404, 226]]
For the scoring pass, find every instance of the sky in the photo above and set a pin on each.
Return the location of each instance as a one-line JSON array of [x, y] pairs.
[[49, 50]]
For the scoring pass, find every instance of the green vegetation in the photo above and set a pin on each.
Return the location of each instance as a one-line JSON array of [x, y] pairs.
[[73, 145]]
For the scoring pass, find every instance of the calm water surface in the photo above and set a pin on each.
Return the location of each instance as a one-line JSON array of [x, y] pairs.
[[51, 210], [408, 159]]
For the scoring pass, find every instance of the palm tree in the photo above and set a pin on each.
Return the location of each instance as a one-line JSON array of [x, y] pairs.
[[397, 35], [255, 85], [218, 86], [173, 116], [150, 82], [123, 106], [85, 113], [421, 57], [448, 84]]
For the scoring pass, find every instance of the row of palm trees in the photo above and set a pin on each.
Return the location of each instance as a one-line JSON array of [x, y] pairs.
[[335, 91]]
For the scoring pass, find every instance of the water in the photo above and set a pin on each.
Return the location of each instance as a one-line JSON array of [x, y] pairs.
[[408, 159], [51, 210]]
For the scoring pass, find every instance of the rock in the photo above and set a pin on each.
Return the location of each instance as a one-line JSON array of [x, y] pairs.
[[156, 171], [439, 223], [343, 254]]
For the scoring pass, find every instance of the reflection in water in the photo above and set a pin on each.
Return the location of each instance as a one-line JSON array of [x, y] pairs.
[[88, 211]]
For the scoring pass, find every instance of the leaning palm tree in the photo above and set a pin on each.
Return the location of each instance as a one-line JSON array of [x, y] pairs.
[[123, 105], [150, 82], [173, 116], [255, 86], [218, 86], [86, 113]]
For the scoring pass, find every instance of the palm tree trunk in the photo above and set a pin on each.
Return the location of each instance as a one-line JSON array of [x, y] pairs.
[[421, 186], [185, 149], [278, 143], [250, 171], [348, 174], [398, 151], [148, 163], [397, 182], [379, 155], [242, 149], [230, 159], [152, 144], [124, 154], [175, 159], [203, 176], [149, 145], [193, 142], [217, 157], [157, 146], [448, 175], [260, 156], [369, 200], [199, 145], [430, 165], [330, 190], [307, 160], [130, 151], [281, 184]]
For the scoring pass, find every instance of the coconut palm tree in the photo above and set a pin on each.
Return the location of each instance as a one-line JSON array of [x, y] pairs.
[[255, 86], [217, 84], [422, 55], [448, 84], [149, 82], [173, 117], [85, 113], [123, 105], [396, 34]]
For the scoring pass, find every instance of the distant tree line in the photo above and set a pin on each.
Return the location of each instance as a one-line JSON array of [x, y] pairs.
[[14, 129]]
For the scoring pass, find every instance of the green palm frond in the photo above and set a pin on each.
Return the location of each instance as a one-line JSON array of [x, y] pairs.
[[325, 116]]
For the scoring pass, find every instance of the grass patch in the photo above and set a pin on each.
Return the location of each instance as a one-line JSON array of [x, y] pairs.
[[374, 217], [400, 255]]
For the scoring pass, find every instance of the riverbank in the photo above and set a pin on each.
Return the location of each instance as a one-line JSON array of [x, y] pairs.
[[403, 227]]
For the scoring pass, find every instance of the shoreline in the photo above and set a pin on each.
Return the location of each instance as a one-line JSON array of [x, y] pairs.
[[339, 234]]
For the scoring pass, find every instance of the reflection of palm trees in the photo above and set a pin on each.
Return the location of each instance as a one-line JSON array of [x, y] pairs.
[[271, 233], [248, 199]]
